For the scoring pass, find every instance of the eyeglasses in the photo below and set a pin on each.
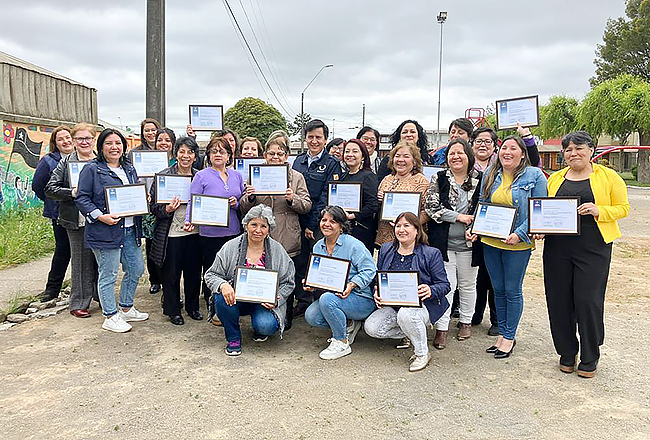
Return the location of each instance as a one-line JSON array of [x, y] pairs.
[[368, 139], [83, 139], [275, 153], [483, 141]]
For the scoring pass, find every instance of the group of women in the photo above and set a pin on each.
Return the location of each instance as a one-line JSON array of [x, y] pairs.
[[264, 232]]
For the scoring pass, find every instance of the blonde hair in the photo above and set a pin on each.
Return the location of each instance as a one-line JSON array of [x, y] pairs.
[[415, 152], [83, 126]]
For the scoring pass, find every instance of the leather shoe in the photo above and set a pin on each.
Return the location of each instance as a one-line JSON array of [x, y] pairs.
[[465, 332], [299, 309], [195, 315], [567, 365], [491, 349], [80, 313], [587, 370], [503, 354], [493, 330], [440, 340], [177, 320], [155, 288]]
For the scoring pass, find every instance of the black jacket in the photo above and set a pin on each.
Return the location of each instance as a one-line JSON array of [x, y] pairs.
[[163, 221], [41, 176], [59, 188]]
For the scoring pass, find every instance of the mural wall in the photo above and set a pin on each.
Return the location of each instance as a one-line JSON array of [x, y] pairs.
[[21, 147]]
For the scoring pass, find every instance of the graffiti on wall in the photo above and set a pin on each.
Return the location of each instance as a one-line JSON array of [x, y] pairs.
[[21, 147]]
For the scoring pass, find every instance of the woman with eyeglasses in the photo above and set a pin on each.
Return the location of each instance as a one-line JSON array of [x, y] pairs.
[[83, 282], [286, 208], [216, 180], [576, 267], [370, 138]]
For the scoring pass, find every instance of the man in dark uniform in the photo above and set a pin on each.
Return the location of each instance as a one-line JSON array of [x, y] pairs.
[[318, 168]]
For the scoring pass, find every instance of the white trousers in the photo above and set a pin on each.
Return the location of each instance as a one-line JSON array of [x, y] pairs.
[[410, 322], [461, 274]]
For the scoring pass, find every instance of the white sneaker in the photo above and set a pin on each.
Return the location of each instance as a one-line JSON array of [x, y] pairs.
[[419, 362], [352, 330], [133, 315], [336, 350], [116, 324]]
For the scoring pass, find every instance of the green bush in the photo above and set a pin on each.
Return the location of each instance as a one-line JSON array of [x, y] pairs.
[[25, 235], [635, 172]]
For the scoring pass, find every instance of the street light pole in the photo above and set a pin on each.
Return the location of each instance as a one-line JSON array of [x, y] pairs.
[[442, 17], [302, 107]]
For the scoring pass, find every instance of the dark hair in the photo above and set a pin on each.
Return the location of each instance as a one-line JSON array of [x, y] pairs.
[[578, 138], [413, 219], [315, 124], [225, 131], [145, 122], [249, 139], [365, 164], [464, 124], [338, 215], [53, 134], [493, 135], [187, 141], [169, 131], [102, 138], [468, 152], [215, 143], [366, 129], [334, 142], [422, 143], [490, 174]]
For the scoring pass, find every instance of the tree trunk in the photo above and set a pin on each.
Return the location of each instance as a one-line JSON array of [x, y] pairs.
[[643, 167]]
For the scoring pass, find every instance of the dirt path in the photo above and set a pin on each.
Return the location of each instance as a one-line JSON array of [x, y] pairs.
[[66, 378]]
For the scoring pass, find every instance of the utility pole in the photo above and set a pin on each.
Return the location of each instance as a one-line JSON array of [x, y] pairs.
[[363, 116], [155, 77], [442, 17]]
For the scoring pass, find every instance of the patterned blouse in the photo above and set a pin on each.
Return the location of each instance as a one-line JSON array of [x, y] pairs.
[[391, 183]]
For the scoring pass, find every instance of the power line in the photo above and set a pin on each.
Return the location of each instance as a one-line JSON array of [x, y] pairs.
[[259, 46], [255, 59]]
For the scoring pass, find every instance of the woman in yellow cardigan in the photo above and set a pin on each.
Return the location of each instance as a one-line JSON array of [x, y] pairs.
[[576, 267]]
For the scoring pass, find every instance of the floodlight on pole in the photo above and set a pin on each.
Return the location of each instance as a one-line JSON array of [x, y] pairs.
[[302, 107], [442, 17]]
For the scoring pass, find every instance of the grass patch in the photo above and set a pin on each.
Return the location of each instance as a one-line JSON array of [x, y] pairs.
[[17, 303], [25, 235], [633, 182]]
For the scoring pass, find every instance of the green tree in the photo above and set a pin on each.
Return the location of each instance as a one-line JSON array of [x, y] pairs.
[[254, 117], [295, 127], [558, 117], [619, 107], [626, 45]]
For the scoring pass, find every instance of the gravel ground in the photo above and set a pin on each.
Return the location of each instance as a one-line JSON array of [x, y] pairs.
[[66, 378]]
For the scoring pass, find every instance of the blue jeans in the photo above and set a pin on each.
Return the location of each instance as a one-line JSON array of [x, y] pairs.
[[108, 262], [331, 311], [507, 270], [263, 320]]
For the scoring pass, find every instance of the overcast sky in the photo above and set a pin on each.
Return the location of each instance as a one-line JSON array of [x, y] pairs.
[[385, 54]]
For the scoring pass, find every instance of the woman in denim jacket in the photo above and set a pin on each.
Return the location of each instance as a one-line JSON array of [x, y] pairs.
[[510, 181]]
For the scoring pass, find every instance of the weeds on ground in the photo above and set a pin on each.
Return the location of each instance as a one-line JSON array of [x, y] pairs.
[[16, 303], [25, 235]]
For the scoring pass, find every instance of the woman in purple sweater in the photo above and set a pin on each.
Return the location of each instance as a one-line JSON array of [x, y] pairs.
[[216, 180]]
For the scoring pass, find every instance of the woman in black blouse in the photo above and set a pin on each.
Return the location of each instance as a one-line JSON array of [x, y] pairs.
[[357, 160]]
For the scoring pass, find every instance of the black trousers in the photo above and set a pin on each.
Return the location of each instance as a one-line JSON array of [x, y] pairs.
[[484, 294], [155, 275], [209, 248], [300, 262], [60, 260], [182, 256], [575, 279]]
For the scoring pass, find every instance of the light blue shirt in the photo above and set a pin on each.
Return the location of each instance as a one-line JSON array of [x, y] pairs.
[[363, 267], [311, 159]]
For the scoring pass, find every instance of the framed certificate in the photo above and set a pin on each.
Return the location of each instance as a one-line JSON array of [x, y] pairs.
[[149, 162], [493, 220], [524, 111], [209, 210], [327, 273], [256, 285], [169, 186], [74, 169], [242, 165], [553, 215], [206, 117], [269, 180], [127, 200], [430, 171], [398, 288], [346, 195], [395, 203]]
